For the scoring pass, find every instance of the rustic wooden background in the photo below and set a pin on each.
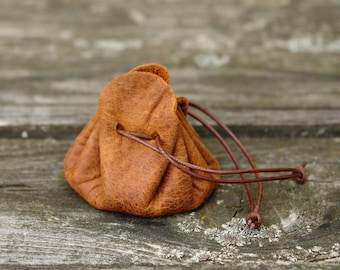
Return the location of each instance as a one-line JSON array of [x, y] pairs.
[[269, 69]]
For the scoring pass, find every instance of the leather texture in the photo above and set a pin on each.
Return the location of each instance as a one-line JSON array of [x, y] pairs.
[[112, 172]]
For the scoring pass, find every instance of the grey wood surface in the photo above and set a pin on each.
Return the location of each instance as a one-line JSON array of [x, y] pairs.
[[44, 223], [271, 63], [269, 69]]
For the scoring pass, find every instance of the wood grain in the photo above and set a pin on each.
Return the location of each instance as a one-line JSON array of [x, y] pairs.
[[45, 223], [236, 58]]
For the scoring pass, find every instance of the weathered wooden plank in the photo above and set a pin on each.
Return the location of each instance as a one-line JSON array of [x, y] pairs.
[[232, 56], [256, 101], [41, 122], [44, 223], [242, 100]]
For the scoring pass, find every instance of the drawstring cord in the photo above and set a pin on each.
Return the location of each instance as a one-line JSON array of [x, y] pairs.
[[253, 218]]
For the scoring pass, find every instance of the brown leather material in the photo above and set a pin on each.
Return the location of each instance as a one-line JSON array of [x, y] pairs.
[[112, 172]]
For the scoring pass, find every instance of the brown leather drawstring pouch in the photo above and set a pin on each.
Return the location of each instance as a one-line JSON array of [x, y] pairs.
[[140, 155]]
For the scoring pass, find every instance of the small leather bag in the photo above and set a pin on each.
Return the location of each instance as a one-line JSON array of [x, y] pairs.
[[140, 155]]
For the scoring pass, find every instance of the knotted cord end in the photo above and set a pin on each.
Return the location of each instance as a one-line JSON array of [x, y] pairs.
[[301, 170], [254, 219]]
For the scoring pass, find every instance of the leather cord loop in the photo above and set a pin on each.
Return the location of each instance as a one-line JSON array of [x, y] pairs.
[[297, 173], [253, 218]]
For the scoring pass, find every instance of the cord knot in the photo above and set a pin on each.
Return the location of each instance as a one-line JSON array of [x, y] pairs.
[[254, 219], [302, 173]]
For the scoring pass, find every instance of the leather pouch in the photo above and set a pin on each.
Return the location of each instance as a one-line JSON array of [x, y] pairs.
[[113, 172]]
